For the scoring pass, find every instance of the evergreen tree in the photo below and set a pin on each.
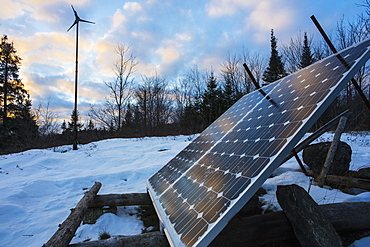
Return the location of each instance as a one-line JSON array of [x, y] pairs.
[[90, 125], [211, 102], [78, 123], [275, 69], [228, 96], [65, 128], [129, 115], [307, 57], [17, 122]]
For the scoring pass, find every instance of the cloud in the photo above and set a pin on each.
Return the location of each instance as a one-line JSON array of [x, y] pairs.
[[11, 9], [218, 8], [133, 7], [118, 19], [38, 9], [268, 14], [169, 55], [260, 16]]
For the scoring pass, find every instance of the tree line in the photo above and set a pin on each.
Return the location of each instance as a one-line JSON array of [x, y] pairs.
[[156, 105]]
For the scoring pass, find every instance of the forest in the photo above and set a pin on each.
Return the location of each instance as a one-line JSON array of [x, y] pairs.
[[160, 106]]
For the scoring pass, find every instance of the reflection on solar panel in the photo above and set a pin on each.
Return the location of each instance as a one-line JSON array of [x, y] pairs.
[[207, 183]]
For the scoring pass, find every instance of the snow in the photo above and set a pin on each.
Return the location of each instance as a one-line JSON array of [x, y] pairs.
[[38, 187]]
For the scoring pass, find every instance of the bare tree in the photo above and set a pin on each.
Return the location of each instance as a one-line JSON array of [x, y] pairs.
[[123, 68], [231, 72], [46, 119], [153, 107], [104, 116], [257, 64]]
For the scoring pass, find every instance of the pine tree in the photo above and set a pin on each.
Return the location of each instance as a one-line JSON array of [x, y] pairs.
[[90, 125], [65, 128], [17, 122], [228, 96], [128, 115], [275, 69], [307, 57], [211, 102], [78, 123]]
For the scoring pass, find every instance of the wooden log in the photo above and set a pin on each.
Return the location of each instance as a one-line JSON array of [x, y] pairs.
[[267, 228], [344, 182], [333, 148], [121, 200], [347, 182], [310, 225], [67, 229], [146, 239]]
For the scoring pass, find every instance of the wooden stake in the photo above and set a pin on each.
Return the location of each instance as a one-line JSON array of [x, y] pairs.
[[333, 148]]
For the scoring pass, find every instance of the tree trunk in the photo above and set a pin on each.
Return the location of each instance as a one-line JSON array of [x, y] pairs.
[[67, 229]]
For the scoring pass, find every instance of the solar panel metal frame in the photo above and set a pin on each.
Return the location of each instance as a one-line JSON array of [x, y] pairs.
[[258, 180]]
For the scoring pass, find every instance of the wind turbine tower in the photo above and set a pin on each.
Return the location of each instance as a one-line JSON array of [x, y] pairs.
[[76, 22]]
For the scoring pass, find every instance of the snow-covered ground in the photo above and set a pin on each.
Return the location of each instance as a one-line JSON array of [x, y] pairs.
[[38, 187]]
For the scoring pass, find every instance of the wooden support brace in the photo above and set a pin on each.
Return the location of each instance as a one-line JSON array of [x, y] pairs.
[[331, 153], [67, 229], [299, 162], [330, 44]]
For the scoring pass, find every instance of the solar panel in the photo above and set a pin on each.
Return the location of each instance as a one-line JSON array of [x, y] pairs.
[[206, 184]]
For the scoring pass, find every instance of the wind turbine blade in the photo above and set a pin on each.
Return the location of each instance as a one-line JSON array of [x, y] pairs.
[[74, 23], [87, 21], [75, 12]]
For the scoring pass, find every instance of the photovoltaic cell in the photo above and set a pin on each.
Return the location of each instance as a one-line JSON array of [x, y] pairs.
[[207, 183]]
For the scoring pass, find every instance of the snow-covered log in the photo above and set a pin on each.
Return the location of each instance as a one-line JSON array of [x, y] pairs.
[[121, 200], [67, 229]]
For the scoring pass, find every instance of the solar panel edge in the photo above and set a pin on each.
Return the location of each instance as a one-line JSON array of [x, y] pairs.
[[169, 232]]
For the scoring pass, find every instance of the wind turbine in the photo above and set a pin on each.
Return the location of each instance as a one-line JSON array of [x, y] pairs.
[[76, 22]]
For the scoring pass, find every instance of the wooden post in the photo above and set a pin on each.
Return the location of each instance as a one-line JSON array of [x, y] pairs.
[[67, 229], [333, 148]]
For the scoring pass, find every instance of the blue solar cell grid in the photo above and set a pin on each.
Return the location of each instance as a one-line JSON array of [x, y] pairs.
[[208, 182]]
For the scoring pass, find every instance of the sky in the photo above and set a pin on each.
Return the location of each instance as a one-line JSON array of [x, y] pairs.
[[166, 37]]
